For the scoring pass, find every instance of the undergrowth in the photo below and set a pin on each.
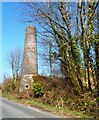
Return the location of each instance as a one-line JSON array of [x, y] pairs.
[[55, 92]]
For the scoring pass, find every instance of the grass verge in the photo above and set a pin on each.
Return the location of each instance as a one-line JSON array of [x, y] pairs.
[[63, 112]]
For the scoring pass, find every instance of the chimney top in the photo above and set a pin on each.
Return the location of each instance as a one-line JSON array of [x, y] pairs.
[[31, 27]]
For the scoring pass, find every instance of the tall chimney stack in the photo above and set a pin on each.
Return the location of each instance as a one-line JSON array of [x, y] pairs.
[[29, 65]]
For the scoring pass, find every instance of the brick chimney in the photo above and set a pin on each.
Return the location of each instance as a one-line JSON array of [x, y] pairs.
[[29, 65]]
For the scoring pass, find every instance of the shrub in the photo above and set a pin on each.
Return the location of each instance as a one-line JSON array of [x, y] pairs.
[[37, 90], [6, 86], [21, 95], [30, 92], [17, 86], [12, 85]]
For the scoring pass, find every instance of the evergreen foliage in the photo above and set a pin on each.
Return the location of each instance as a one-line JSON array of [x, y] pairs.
[[37, 90]]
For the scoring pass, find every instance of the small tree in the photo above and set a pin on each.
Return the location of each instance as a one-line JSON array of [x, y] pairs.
[[15, 62]]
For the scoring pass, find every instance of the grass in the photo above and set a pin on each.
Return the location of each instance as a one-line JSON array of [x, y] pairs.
[[63, 112]]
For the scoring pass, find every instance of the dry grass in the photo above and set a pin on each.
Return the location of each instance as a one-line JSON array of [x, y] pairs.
[[59, 94]]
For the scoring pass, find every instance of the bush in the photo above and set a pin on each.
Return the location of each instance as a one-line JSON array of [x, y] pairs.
[[30, 92], [6, 86], [37, 90], [17, 86], [7, 89], [12, 85], [21, 95]]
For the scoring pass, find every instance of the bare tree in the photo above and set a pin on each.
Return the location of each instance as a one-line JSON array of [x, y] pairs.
[[15, 61], [71, 25]]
